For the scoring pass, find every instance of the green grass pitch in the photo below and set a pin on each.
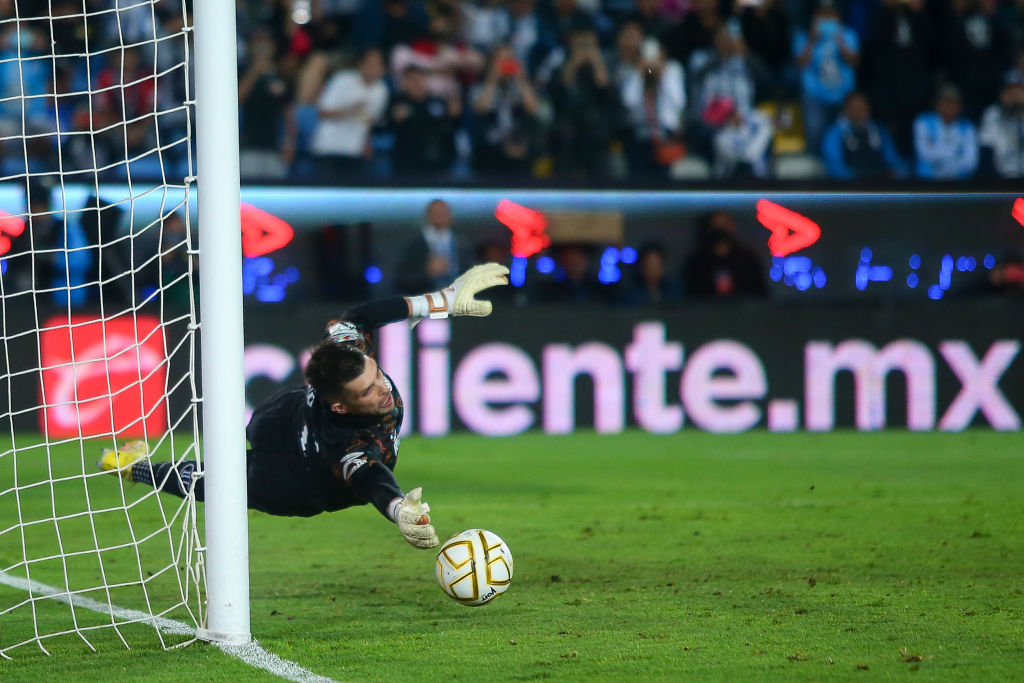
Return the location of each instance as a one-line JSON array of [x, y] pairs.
[[885, 556]]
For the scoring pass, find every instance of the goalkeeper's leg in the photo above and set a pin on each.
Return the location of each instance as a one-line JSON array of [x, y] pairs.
[[174, 478]]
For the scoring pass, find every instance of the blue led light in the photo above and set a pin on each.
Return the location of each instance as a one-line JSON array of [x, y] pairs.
[[865, 255], [972, 263], [628, 255], [990, 261], [3, 266], [609, 276], [609, 257], [292, 274], [517, 273], [819, 278], [912, 280], [803, 281], [915, 261], [946, 272], [263, 265], [961, 263], [270, 293], [935, 292], [545, 264], [373, 274], [775, 273], [796, 264]]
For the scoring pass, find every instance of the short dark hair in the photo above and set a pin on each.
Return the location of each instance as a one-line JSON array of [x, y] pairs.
[[331, 367]]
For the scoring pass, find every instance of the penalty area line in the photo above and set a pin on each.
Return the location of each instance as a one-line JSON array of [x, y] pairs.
[[251, 653]]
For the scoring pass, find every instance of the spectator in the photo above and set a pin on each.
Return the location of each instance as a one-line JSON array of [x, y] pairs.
[[424, 127], [23, 82], [431, 260], [485, 24], [626, 60], [265, 95], [651, 284], [946, 144], [447, 63], [694, 35], [731, 73], [858, 148], [573, 280], [586, 107], [827, 59], [729, 81], [351, 102], [653, 93], [741, 144], [507, 108], [1007, 276], [525, 34], [1002, 132], [766, 33], [720, 266], [898, 68], [30, 261], [388, 23], [648, 14], [977, 51]]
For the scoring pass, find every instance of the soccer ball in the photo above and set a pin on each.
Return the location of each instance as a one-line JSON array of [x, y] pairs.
[[474, 567]]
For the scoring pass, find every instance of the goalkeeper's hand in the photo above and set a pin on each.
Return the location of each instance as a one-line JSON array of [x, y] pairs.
[[474, 281], [414, 522]]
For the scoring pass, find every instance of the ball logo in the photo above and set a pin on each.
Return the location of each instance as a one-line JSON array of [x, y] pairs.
[[102, 377]]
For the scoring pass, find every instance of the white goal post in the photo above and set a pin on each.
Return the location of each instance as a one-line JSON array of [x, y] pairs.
[[118, 136]]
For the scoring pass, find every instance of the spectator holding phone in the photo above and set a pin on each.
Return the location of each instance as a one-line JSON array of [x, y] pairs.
[[507, 107], [653, 93], [827, 57]]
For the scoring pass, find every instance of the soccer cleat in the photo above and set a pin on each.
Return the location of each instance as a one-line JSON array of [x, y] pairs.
[[120, 460]]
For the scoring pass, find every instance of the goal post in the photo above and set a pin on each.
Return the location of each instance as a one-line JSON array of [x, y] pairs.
[[220, 284], [118, 136]]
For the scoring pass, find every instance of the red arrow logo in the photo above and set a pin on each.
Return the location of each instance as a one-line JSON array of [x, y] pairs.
[[790, 231], [9, 225], [527, 226], [262, 232], [1018, 211]]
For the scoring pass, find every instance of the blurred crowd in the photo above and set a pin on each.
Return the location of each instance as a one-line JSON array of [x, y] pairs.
[[637, 89], [513, 90]]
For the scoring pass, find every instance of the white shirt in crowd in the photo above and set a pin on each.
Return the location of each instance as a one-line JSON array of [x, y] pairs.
[[745, 141], [1004, 134], [671, 100], [347, 135]]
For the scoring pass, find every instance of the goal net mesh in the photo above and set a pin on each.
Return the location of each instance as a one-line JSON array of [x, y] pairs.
[[98, 324]]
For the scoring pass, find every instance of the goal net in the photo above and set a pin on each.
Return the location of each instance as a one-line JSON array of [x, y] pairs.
[[98, 324]]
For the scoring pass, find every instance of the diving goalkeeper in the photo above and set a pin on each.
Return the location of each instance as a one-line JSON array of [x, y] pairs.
[[332, 444]]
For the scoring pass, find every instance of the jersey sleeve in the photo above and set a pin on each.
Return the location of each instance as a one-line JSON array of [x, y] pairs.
[[361, 468], [377, 313]]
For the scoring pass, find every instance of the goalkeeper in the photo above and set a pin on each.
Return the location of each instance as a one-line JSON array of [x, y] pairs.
[[334, 443]]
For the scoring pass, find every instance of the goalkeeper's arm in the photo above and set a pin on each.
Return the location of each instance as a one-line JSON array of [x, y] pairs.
[[459, 298], [375, 483]]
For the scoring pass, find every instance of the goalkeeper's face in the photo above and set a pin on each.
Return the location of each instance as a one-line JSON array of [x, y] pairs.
[[368, 394]]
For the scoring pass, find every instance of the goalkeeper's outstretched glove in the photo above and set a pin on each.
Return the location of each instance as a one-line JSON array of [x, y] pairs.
[[414, 522], [460, 297]]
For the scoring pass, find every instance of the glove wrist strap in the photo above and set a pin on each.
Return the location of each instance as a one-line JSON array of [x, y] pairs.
[[434, 305]]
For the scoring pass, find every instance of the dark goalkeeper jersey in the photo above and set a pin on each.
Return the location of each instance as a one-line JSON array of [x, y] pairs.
[[305, 459]]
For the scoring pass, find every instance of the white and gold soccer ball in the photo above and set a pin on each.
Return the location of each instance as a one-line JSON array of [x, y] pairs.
[[474, 567]]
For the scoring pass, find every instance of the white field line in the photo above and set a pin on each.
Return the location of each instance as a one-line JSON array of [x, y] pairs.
[[250, 653]]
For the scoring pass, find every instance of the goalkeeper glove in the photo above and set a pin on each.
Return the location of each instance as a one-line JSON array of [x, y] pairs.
[[414, 522], [459, 298]]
